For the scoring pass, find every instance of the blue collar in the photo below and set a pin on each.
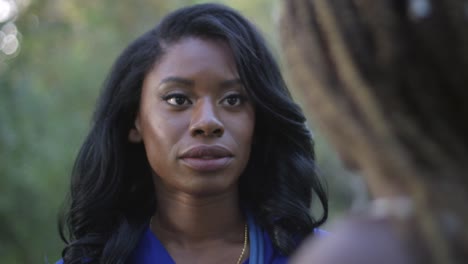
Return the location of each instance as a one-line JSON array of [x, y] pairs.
[[151, 251]]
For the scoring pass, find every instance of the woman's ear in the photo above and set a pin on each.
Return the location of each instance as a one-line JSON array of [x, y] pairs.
[[134, 134]]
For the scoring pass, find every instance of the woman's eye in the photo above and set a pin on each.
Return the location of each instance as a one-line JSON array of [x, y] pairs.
[[234, 100], [177, 99]]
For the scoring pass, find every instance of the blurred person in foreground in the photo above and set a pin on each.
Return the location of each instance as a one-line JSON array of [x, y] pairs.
[[196, 153], [388, 83]]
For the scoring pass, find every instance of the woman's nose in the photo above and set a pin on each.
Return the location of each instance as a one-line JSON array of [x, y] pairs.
[[205, 121]]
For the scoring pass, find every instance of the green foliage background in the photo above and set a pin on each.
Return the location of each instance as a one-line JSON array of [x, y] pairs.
[[47, 94]]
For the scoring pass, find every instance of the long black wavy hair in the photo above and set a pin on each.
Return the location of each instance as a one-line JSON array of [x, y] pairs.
[[112, 195]]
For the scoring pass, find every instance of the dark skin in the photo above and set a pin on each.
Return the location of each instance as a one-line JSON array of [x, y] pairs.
[[196, 123]]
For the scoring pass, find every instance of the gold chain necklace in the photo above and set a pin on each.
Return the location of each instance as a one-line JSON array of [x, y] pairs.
[[246, 234]]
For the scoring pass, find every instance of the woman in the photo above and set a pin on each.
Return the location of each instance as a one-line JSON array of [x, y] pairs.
[[387, 81], [197, 153]]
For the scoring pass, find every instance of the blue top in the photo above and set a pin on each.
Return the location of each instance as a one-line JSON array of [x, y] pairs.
[[150, 250]]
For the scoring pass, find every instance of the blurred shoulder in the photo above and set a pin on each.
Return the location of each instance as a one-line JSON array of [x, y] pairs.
[[355, 240]]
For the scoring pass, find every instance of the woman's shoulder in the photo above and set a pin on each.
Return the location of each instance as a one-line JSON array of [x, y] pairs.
[[272, 256], [355, 241]]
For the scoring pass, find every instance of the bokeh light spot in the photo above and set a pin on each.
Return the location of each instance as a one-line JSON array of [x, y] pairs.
[[10, 44], [10, 29], [6, 10]]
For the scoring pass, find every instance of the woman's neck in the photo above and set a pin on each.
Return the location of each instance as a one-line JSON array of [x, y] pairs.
[[186, 219]]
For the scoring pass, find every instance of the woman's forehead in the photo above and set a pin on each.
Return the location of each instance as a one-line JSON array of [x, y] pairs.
[[192, 56]]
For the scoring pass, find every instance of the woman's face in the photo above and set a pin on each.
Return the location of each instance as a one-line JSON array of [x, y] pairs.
[[195, 119]]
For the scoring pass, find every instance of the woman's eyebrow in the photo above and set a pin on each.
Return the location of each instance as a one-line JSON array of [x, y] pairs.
[[178, 80], [190, 83], [231, 83]]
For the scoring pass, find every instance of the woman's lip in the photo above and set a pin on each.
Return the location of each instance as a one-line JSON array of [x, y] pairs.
[[207, 164], [206, 152]]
